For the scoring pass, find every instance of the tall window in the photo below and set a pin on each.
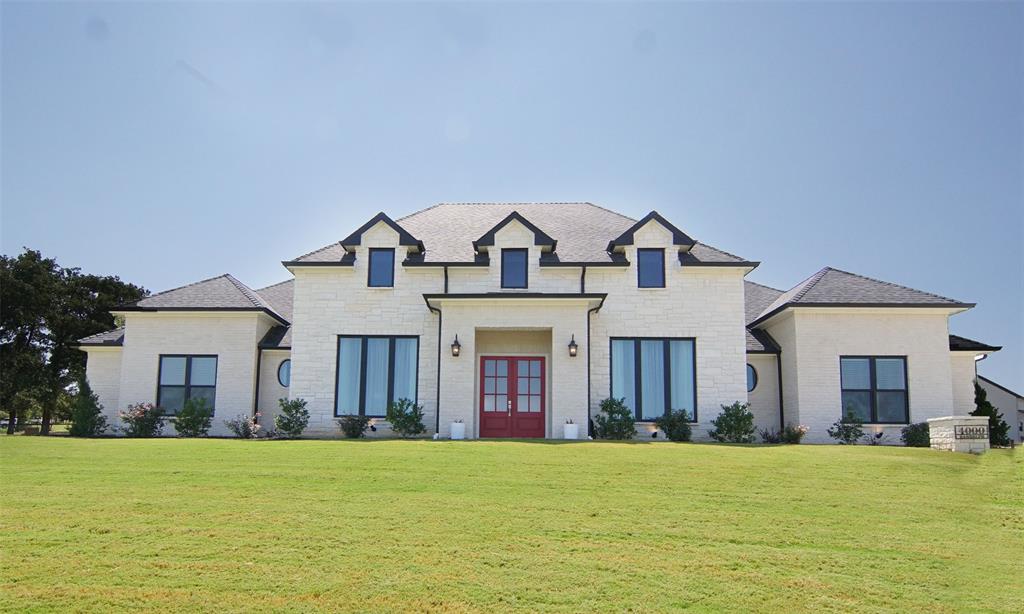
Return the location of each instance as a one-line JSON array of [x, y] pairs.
[[655, 375], [875, 388], [650, 267], [751, 378], [382, 267], [186, 377], [373, 371], [513, 268]]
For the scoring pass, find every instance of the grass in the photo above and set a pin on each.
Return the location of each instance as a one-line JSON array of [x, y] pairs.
[[185, 525]]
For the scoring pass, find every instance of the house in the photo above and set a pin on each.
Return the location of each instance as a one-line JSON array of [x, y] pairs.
[[517, 318], [1009, 403]]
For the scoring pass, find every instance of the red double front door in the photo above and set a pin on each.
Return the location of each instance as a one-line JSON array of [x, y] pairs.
[[512, 391]]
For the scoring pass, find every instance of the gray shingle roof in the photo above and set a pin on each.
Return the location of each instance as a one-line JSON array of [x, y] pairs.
[[963, 344], [281, 297], [582, 230], [221, 293], [110, 337], [831, 287], [757, 297]]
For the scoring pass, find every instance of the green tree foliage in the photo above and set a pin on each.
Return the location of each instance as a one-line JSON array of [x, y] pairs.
[[734, 425], [293, 419], [406, 418], [194, 419], [87, 419], [615, 421], [676, 424], [998, 429], [44, 310]]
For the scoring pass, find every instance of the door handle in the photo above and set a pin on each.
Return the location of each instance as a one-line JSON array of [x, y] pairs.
[[510, 407]]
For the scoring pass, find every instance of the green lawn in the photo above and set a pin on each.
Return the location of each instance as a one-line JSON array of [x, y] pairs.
[[184, 525]]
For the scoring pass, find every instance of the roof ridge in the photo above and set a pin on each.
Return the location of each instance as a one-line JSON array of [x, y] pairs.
[[195, 283], [808, 283], [718, 249], [319, 249], [249, 293], [280, 283], [763, 286], [894, 285], [434, 206]]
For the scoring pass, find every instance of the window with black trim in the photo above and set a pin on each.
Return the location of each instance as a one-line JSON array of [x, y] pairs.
[[182, 377], [373, 371], [874, 389], [513, 268], [382, 267], [654, 375], [650, 268], [284, 372], [751, 377]]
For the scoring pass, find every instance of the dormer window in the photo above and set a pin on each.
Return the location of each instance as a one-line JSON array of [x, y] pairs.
[[650, 267], [513, 268], [382, 267]]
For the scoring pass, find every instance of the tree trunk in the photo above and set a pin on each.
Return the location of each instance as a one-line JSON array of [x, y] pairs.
[[44, 428], [11, 421]]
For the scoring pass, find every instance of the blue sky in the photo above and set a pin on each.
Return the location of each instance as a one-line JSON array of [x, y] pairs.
[[171, 142]]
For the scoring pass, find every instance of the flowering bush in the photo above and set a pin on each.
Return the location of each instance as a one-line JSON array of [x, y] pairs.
[[142, 420], [244, 426], [789, 434]]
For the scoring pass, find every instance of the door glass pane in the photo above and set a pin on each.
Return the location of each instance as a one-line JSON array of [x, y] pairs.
[[534, 385], [489, 385], [172, 398], [889, 373], [523, 368], [502, 366], [535, 403], [856, 373], [681, 384], [488, 367], [376, 376], [204, 371], [523, 386], [857, 405], [534, 368], [523, 403], [652, 378], [500, 402], [349, 375], [622, 371], [405, 369], [206, 392], [891, 406], [502, 385], [489, 403], [172, 370]]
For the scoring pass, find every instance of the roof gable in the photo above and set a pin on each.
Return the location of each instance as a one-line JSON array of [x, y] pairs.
[[404, 238], [626, 238], [540, 237]]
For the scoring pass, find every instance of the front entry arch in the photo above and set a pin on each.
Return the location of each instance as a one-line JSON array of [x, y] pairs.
[[512, 396]]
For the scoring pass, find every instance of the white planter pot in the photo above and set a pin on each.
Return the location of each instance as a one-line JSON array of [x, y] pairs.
[[572, 431], [458, 430]]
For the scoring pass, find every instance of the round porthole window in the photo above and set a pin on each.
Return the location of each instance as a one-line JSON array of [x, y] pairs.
[[751, 378], [284, 373]]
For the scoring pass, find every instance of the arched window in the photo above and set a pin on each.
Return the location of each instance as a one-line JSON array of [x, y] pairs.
[[284, 372], [751, 378]]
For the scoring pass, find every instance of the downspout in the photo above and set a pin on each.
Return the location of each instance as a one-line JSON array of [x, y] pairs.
[[782, 413], [437, 401], [590, 312], [256, 395]]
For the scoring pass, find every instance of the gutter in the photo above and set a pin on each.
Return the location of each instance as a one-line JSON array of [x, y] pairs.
[[590, 312]]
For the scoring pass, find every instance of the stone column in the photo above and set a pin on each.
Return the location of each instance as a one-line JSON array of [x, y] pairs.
[[959, 433]]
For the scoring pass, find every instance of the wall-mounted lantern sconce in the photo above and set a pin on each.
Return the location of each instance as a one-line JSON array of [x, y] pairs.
[[456, 347], [573, 348]]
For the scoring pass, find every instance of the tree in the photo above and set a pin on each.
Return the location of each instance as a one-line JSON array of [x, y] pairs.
[[87, 418], [998, 429], [406, 418], [44, 310], [293, 419]]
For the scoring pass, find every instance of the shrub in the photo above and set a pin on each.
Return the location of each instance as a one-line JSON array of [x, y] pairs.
[[353, 426], [406, 418], [846, 430], [293, 419], [87, 419], [998, 429], [676, 424], [875, 439], [615, 420], [916, 435], [194, 419], [794, 434], [245, 427], [734, 425], [142, 420]]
